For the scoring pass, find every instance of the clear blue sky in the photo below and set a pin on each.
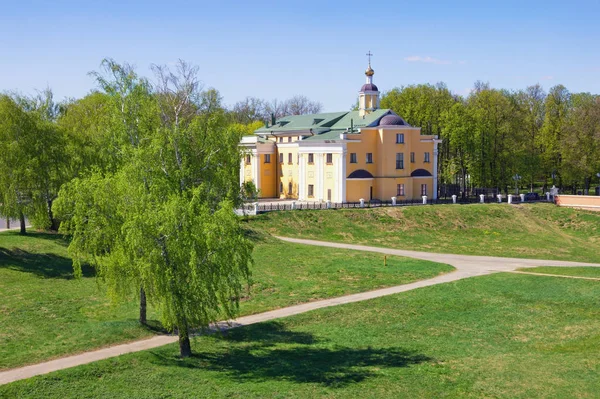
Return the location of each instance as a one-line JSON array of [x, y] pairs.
[[316, 48]]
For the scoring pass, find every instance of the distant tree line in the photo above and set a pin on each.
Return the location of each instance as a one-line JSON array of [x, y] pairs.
[[492, 136]]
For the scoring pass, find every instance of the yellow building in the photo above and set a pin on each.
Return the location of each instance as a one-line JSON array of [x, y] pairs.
[[367, 154]]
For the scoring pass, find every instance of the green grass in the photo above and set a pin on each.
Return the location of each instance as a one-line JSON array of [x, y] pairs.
[[497, 336], [46, 313], [541, 231], [566, 271]]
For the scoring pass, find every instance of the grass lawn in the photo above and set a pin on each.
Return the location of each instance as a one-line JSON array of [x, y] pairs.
[[45, 313], [541, 231], [500, 336], [566, 271]]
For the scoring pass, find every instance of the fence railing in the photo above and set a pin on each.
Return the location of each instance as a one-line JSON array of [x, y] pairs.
[[289, 206]]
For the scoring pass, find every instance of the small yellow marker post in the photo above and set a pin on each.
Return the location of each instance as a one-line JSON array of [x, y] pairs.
[[384, 261]]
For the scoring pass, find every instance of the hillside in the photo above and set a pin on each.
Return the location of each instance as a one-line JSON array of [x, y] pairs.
[[541, 231]]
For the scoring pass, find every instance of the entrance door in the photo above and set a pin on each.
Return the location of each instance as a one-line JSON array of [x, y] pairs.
[[371, 193], [328, 194]]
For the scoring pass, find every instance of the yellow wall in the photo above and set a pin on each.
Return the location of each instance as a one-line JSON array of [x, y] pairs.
[[288, 172], [268, 177], [381, 142], [357, 189]]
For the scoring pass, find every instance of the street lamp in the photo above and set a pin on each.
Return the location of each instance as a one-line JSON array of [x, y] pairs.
[[516, 178]]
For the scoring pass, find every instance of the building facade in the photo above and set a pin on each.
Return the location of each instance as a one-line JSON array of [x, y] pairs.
[[367, 154]]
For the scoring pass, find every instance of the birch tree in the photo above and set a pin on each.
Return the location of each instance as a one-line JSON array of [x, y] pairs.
[[164, 220]]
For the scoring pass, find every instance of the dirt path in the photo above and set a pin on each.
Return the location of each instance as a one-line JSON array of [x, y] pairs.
[[466, 266]]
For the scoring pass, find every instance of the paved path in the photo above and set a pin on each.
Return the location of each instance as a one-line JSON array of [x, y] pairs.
[[476, 265], [14, 224], [466, 266], [555, 275]]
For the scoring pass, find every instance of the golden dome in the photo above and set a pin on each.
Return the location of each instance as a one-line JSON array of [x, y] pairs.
[[369, 71]]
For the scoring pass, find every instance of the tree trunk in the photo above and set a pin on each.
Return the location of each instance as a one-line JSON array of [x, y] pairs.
[[185, 348], [22, 219], [53, 222], [8, 223], [143, 319]]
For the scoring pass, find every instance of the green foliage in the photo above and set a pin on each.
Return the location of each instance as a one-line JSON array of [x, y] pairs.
[[33, 165], [161, 217], [491, 135]]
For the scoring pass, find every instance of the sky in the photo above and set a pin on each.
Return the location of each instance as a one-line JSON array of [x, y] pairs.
[[313, 48]]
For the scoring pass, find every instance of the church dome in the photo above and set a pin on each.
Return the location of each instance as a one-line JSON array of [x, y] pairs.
[[369, 87], [392, 120]]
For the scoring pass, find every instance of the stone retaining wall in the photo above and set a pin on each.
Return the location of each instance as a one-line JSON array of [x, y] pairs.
[[590, 202]]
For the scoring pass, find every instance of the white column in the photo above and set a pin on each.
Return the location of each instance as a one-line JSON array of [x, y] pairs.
[[499, 197], [255, 169], [435, 169], [319, 194], [341, 186], [522, 197], [393, 201], [242, 176], [454, 199], [481, 198], [424, 200], [302, 178], [510, 197]]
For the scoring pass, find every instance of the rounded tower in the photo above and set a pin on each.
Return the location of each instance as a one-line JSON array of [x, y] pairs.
[[368, 96]]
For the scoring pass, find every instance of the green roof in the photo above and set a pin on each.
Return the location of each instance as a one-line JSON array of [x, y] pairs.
[[344, 123], [330, 135], [317, 122], [327, 126]]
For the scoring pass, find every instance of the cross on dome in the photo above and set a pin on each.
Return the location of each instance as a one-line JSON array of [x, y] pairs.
[[369, 72]]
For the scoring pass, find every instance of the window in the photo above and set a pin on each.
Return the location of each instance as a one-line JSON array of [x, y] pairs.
[[399, 138], [290, 188], [290, 139], [412, 157], [400, 190], [423, 189], [280, 157], [328, 194], [267, 158], [281, 187], [353, 157], [248, 158], [369, 157], [311, 190], [399, 160], [290, 158], [281, 139], [329, 159], [426, 157], [311, 158]]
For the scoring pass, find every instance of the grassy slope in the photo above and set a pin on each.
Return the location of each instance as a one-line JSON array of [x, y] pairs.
[[530, 231], [566, 271], [45, 313], [512, 336]]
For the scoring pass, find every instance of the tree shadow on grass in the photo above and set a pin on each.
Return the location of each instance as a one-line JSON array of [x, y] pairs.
[[46, 265], [270, 352]]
